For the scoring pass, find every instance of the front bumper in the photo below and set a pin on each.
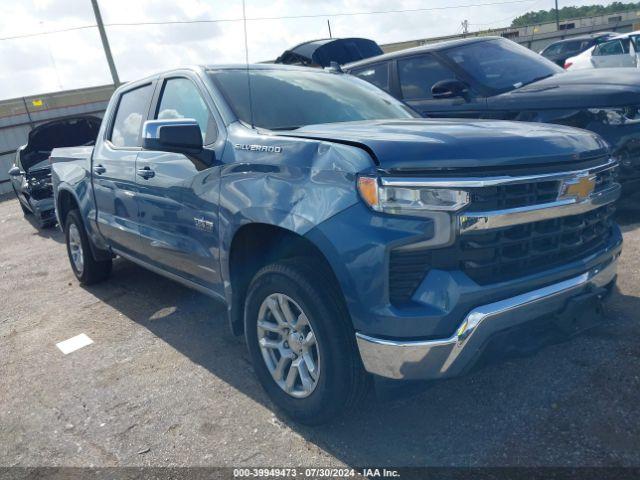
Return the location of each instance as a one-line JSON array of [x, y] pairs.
[[447, 357]]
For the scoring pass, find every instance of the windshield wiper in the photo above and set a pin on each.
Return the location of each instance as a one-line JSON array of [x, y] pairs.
[[537, 79]]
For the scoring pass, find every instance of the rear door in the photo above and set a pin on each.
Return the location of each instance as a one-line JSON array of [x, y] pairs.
[[418, 74], [178, 194], [613, 54], [114, 174]]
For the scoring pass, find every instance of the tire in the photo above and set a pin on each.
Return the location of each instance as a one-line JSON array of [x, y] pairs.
[[340, 382], [87, 269]]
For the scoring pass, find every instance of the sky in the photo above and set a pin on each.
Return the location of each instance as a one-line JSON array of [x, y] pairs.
[[75, 58]]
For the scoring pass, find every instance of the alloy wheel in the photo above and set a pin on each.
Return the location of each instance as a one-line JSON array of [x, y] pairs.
[[288, 345]]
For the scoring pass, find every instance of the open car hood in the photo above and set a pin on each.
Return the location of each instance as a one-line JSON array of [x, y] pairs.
[[67, 132]]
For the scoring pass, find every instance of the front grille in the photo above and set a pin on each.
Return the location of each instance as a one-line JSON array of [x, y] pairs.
[[491, 256], [498, 255], [513, 196], [516, 195]]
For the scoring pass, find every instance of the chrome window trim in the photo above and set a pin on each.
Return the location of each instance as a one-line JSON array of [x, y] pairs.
[[476, 182]]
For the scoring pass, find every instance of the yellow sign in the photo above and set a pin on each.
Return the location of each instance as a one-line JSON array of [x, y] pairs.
[[581, 188], [37, 103]]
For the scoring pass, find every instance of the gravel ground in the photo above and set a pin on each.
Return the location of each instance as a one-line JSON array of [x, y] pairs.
[[166, 384]]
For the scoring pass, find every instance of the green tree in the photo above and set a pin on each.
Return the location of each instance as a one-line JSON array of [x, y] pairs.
[[566, 13]]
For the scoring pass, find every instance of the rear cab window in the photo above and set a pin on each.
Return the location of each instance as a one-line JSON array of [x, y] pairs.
[[132, 110]]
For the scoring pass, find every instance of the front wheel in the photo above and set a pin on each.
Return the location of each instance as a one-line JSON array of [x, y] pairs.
[[87, 269], [301, 342]]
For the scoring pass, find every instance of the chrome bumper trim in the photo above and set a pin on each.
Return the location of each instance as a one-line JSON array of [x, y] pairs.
[[432, 359], [474, 221]]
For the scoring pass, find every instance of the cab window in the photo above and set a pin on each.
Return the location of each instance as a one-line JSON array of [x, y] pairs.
[[376, 74], [419, 74], [181, 99], [131, 113]]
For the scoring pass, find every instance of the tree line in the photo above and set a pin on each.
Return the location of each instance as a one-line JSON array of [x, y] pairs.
[[566, 13]]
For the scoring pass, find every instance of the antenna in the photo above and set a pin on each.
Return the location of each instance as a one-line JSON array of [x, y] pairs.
[[329, 25], [246, 59]]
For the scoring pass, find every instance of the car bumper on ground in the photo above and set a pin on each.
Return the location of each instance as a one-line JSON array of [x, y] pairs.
[[447, 357]]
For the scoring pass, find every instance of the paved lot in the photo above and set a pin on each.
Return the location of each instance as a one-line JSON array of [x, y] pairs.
[[165, 383]]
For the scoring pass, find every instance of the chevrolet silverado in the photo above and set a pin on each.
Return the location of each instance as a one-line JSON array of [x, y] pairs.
[[348, 238]]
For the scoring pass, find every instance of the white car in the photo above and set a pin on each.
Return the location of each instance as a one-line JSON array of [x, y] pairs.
[[621, 51]]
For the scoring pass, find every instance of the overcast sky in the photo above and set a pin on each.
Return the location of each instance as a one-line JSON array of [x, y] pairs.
[[75, 59]]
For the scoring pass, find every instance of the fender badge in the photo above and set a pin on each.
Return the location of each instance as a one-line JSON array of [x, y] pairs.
[[258, 148]]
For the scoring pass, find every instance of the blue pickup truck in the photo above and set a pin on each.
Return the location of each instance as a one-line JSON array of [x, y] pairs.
[[348, 238]]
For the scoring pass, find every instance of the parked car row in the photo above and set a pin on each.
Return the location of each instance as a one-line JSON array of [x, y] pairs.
[[558, 52], [622, 51]]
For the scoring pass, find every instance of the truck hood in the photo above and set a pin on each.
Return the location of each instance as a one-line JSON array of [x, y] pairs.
[[456, 143], [575, 89]]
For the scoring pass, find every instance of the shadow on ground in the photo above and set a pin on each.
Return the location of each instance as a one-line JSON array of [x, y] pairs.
[[497, 415]]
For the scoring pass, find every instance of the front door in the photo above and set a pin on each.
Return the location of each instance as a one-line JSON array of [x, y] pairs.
[[417, 75], [178, 194], [114, 175]]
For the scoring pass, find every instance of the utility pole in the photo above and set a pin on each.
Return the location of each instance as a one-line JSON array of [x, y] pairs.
[[329, 25], [465, 27], [105, 43], [557, 17]]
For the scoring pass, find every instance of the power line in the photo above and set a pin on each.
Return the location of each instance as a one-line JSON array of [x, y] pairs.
[[285, 17]]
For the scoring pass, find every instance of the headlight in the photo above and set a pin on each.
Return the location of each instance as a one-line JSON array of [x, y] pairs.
[[410, 200], [617, 116]]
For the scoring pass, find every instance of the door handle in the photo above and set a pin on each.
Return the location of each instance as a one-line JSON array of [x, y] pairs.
[[99, 169], [146, 172]]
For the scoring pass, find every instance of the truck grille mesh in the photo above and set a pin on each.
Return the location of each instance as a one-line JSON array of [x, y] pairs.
[[495, 256]]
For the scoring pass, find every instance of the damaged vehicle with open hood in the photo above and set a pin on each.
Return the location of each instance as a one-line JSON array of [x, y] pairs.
[[31, 173]]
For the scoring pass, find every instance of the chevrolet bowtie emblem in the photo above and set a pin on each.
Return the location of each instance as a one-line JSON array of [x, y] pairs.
[[578, 188]]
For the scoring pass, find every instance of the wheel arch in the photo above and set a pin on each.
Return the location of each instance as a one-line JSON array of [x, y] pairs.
[[252, 247]]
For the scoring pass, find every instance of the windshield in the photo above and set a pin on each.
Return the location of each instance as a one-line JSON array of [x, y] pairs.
[[285, 99], [501, 65]]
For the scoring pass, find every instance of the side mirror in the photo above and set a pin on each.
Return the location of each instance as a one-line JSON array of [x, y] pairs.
[[448, 89], [15, 171], [180, 135]]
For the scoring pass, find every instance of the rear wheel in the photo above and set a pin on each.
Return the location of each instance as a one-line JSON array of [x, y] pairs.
[[87, 269], [301, 342]]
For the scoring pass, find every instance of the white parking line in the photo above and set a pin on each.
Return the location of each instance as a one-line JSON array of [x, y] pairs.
[[74, 343]]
